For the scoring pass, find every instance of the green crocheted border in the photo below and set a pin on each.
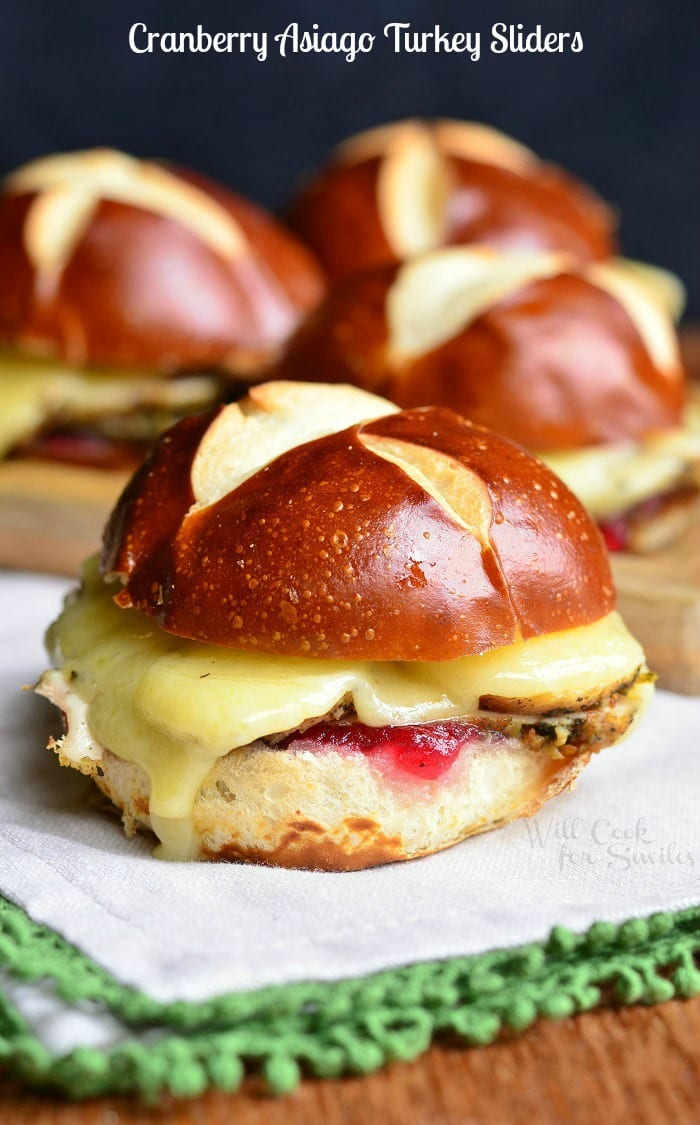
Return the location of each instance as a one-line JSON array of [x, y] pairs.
[[329, 1029]]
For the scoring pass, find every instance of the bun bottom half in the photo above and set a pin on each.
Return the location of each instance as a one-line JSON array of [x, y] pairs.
[[324, 810]]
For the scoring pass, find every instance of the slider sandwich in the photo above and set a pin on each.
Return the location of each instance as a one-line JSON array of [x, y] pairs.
[[577, 362], [413, 186], [130, 292], [324, 633]]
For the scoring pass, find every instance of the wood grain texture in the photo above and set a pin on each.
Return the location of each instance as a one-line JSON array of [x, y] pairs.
[[634, 1065], [659, 598], [659, 594], [51, 516]]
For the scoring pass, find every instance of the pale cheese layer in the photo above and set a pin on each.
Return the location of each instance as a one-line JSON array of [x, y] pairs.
[[174, 706], [35, 392], [609, 479]]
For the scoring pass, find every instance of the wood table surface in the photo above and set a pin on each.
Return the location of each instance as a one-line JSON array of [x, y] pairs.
[[633, 1065]]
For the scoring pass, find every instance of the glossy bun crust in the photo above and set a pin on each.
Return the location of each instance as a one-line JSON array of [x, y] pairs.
[[415, 186], [114, 261], [419, 536], [557, 363]]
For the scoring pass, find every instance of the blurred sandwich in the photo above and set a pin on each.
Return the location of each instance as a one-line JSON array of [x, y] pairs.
[[413, 186], [131, 293], [577, 362]]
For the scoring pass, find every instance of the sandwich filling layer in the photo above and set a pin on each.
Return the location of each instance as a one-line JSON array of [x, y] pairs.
[[40, 396], [175, 707], [612, 479]]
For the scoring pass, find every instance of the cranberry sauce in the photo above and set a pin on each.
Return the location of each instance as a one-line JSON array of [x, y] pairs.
[[425, 751], [82, 447], [617, 531]]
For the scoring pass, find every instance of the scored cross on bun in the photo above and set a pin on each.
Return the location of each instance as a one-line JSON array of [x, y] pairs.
[[579, 363], [404, 542], [112, 260], [326, 633], [131, 293], [410, 187]]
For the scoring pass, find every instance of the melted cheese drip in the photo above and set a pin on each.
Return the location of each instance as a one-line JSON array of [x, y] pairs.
[[34, 392], [609, 479], [174, 706]]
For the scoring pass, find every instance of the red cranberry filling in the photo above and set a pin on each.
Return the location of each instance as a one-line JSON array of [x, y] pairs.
[[426, 751], [82, 447], [617, 531]]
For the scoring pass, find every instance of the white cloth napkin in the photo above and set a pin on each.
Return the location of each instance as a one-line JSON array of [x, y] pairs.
[[626, 842]]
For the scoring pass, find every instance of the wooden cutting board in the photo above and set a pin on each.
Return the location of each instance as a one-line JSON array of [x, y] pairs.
[[659, 597], [51, 518]]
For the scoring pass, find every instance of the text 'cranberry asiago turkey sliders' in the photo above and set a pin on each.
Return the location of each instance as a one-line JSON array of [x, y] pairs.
[[579, 363], [125, 285], [321, 640], [406, 188]]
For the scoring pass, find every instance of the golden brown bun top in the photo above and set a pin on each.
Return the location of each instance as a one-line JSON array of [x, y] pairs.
[[412, 186], [549, 353], [417, 536], [114, 261]]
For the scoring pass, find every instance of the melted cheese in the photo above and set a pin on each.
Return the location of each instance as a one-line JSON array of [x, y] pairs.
[[34, 392], [174, 706], [609, 479]]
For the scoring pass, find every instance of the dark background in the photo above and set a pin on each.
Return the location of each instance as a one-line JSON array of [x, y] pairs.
[[622, 114]]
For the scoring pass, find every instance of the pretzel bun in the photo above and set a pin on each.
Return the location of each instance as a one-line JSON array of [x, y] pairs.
[[551, 354], [410, 187], [333, 648], [115, 261], [419, 536]]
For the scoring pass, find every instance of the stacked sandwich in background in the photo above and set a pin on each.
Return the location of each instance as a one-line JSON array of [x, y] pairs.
[[473, 276], [329, 629], [132, 293], [461, 271]]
